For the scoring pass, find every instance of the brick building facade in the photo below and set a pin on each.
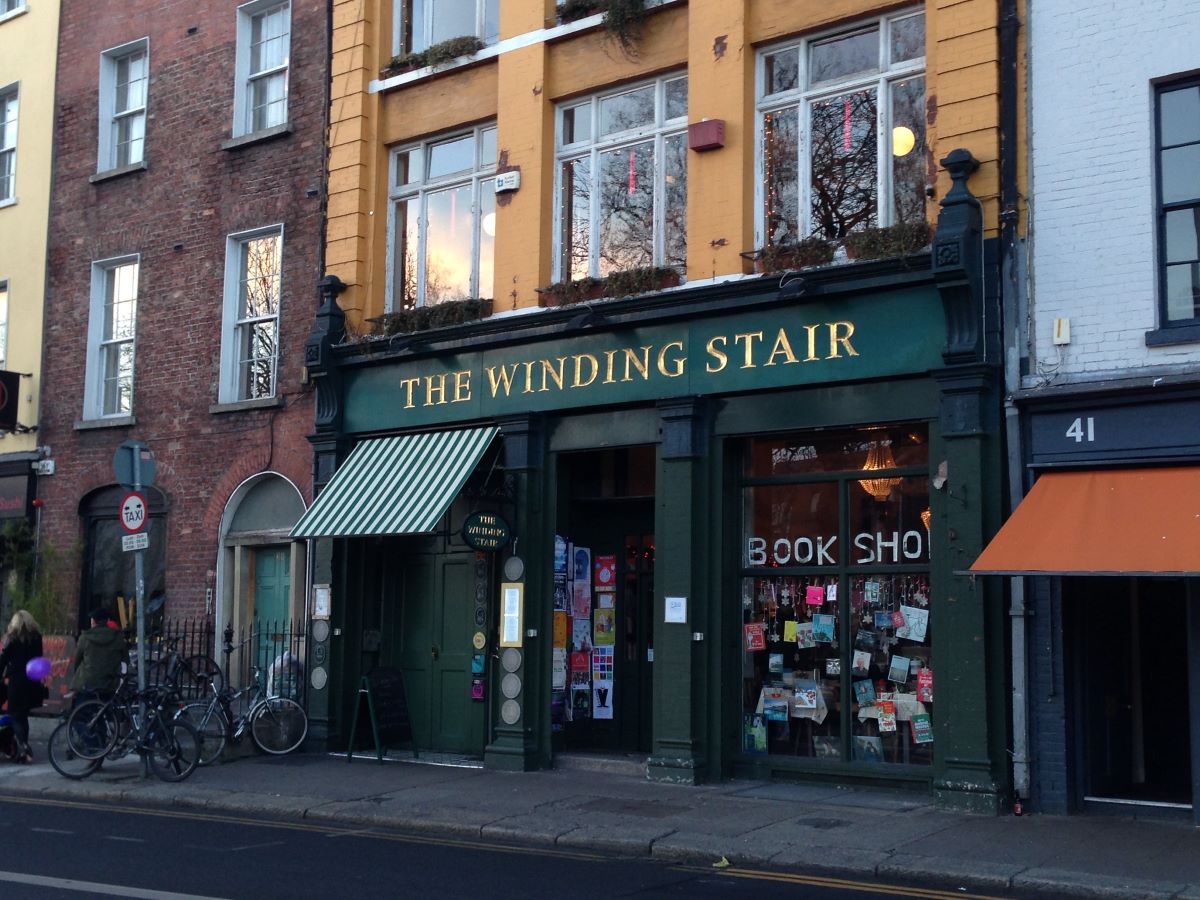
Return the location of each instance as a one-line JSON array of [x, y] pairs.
[[185, 246]]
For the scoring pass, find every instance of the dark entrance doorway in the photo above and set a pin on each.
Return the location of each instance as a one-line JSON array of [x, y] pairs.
[[1132, 693], [607, 505]]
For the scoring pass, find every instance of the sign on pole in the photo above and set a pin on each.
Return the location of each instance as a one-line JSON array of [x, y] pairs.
[[139, 541], [133, 512]]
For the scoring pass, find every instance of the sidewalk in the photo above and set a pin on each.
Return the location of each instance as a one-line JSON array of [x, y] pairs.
[[857, 834]]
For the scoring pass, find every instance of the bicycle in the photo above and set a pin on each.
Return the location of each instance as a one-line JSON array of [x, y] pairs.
[[109, 729], [277, 725], [191, 677]]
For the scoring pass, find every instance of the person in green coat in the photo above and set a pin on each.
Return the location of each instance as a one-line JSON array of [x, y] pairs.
[[99, 654]]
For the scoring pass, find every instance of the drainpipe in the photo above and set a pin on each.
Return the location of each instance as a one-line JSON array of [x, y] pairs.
[[1011, 309]]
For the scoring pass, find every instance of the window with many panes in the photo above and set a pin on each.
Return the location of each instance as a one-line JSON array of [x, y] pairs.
[[422, 23], [3, 324], [11, 6], [111, 330], [443, 219], [837, 660], [8, 144], [842, 131], [1179, 200], [622, 180], [124, 88], [253, 287], [263, 56]]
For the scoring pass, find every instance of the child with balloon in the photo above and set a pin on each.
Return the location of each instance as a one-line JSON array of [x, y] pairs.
[[24, 667]]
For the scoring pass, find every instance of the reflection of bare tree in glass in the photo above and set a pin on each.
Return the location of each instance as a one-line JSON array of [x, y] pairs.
[[576, 218], [782, 176], [258, 324], [844, 148], [627, 208], [675, 200], [908, 169]]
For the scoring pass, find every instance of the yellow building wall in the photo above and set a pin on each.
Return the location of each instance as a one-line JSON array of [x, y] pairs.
[[714, 40], [30, 48]]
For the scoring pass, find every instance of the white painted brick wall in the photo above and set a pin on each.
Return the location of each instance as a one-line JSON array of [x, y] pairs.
[[1092, 219]]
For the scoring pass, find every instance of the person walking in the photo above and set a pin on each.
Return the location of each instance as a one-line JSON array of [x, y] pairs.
[[22, 642]]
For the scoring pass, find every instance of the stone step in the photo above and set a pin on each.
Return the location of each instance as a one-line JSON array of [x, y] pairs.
[[631, 764]]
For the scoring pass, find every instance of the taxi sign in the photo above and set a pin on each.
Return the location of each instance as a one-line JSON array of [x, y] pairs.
[[133, 512]]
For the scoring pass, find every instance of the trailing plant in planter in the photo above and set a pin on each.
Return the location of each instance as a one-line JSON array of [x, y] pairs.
[[574, 10], [889, 242], [642, 280], [436, 55], [811, 251], [623, 19], [435, 315]]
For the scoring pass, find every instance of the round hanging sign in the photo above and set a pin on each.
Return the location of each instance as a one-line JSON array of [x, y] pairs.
[[485, 531], [479, 640]]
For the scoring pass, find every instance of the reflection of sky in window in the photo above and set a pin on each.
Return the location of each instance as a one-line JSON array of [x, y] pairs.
[[448, 244], [122, 301], [908, 38], [844, 56], [627, 208], [634, 109], [260, 276]]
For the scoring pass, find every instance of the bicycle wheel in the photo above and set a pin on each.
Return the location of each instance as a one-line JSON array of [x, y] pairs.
[[173, 748], [211, 725], [199, 677], [278, 725], [92, 729], [66, 761]]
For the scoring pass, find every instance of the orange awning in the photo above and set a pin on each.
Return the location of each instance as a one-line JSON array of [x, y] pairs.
[[1102, 522]]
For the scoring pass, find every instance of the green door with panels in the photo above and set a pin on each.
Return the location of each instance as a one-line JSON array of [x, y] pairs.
[[431, 637], [272, 584]]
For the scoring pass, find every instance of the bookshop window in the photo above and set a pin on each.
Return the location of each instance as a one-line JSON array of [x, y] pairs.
[[836, 632]]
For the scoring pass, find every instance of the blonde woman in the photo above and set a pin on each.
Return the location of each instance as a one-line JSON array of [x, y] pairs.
[[22, 642]]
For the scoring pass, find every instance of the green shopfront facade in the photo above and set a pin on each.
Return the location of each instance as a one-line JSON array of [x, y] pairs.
[[782, 479]]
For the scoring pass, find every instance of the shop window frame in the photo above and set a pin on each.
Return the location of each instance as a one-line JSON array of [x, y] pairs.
[[804, 97], [844, 571]]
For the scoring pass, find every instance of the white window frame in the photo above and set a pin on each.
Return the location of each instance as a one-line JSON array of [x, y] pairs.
[[230, 388], [420, 188], [106, 146], [8, 185], [93, 398], [10, 8], [400, 14], [803, 97], [594, 145], [243, 94], [3, 323]]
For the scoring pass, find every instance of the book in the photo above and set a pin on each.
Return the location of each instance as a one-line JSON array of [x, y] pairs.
[[605, 567], [868, 748], [864, 691], [922, 729], [806, 693], [823, 628], [861, 664], [814, 595], [826, 747], [916, 621], [804, 636], [925, 685], [899, 669], [883, 619], [887, 715], [754, 733], [755, 636], [833, 666]]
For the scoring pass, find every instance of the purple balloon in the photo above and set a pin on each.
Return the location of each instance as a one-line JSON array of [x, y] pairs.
[[37, 668]]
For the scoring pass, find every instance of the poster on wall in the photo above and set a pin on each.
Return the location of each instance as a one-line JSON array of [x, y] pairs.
[[581, 634], [560, 556], [602, 663], [581, 702], [560, 629], [581, 600], [602, 700], [606, 572], [558, 670], [583, 565], [605, 629], [562, 594]]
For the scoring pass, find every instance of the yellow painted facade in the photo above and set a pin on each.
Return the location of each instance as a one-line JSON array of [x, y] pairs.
[[30, 40], [538, 64]]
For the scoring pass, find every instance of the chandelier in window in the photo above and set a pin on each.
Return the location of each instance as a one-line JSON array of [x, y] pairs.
[[879, 457]]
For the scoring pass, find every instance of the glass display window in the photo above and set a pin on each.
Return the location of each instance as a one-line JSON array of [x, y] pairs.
[[837, 659]]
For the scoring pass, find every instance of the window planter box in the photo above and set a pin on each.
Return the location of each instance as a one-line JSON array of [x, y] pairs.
[[888, 243], [618, 284], [425, 318], [436, 55], [811, 251]]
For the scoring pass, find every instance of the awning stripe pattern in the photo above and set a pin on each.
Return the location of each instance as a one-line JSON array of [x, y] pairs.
[[396, 485], [1102, 522]]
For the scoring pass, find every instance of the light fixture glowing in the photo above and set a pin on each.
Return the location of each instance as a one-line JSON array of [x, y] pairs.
[[926, 517], [879, 457], [903, 140], [489, 224]]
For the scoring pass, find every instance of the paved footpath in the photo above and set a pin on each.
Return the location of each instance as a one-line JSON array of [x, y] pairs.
[[865, 834]]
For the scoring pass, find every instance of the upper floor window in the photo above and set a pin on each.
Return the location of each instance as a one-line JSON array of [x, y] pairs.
[[422, 23], [124, 87], [111, 329], [263, 55], [842, 131], [250, 342], [622, 180], [8, 143], [1179, 200], [443, 219], [11, 6]]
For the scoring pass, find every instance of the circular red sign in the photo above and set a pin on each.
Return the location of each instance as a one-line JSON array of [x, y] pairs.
[[133, 512]]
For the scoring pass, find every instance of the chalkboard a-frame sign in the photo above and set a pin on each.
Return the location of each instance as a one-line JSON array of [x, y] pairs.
[[382, 692]]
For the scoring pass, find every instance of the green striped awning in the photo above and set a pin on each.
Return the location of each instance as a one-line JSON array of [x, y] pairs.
[[395, 485]]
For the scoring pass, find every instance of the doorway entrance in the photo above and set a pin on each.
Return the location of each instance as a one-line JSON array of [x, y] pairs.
[[607, 509], [1131, 677]]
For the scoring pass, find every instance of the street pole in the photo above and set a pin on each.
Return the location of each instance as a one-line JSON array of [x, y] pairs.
[[139, 575]]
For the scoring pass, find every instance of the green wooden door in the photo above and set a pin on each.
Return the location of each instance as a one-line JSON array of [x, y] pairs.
[[272, 584], [432, 632]]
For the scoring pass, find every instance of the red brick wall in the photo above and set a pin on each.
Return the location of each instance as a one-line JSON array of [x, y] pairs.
[[177, 215]]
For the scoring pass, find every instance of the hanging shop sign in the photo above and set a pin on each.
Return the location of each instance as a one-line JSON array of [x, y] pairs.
[[485, 531], [862, 336]]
